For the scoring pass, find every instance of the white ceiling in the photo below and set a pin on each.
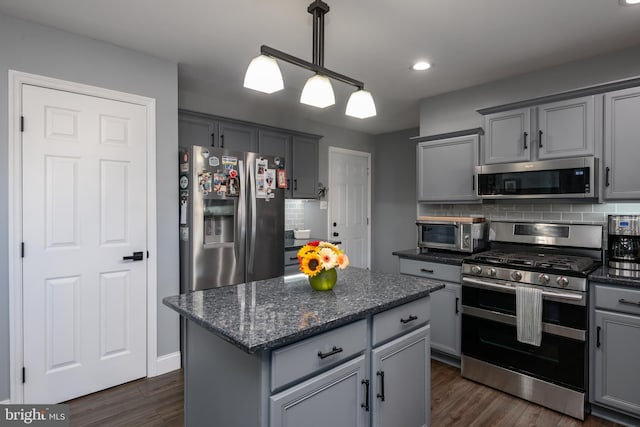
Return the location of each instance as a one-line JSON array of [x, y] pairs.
[[469, 42]]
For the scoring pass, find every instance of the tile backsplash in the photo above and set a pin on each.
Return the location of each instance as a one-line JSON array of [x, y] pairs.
[[540, 211], [293, 214]]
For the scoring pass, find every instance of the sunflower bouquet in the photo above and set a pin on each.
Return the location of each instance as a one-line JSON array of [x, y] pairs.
[[314, 257]]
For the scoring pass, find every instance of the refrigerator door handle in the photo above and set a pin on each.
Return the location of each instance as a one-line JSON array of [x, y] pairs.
[[242, 212], [252, 239]]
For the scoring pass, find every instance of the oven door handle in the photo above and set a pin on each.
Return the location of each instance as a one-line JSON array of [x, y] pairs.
[[577, 297]]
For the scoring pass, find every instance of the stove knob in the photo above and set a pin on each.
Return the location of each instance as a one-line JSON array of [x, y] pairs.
[[562, 281], [516, 275], [492, 272], [543, 278], [476, 269]]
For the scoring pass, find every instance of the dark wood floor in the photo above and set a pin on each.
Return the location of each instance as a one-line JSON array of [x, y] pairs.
[[455, 401]]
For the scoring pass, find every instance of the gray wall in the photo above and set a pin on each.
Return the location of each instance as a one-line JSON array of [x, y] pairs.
[[456, 110], [315, 218], [394, 210], [45, 51]]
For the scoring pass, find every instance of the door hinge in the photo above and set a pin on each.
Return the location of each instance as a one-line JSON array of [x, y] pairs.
[[24, 375], [22, 249], [21, 123]]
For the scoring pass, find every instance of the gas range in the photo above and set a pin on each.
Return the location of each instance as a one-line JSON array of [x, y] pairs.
[[533, 268]]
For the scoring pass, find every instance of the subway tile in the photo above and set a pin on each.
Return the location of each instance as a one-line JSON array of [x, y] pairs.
[[551, 216], [514, 215], [542, 207], [532, 216], [561, 207], [594, 217], [633, 208], [579, 207], [570, 216], [605, 207]]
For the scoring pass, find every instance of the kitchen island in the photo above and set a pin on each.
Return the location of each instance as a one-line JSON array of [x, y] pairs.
[[275, 352]]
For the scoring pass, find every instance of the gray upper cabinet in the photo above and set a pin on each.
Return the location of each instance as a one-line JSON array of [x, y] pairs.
[[548, 131], [196, 130], [304, 167], [446, 169], [237, 136], [508, 136], [566, 128], [277, 143], [621, 141]]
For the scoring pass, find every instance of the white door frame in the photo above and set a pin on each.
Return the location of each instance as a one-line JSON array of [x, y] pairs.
[[333, 150], [16, 80]]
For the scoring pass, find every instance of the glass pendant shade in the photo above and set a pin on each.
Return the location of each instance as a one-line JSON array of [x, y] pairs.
[[318, 92], [361, 105], [263, 75]]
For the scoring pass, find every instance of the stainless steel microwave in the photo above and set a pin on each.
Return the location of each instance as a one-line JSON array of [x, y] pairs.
[[562, 178], [454, 234]]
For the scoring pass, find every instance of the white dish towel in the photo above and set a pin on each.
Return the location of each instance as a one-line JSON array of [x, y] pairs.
[[529, 314]]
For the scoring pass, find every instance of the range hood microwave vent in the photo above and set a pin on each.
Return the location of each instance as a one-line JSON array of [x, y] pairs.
[[571, 178]]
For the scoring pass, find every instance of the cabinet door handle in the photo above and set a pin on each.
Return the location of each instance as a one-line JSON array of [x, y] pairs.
[[426, 270], [288, 186], [457, 300], [473, 183], [525, 140], [381, 394], [624, 301], [293, 258], [606, 176], [411, 318], [598, 336], [334, 350], [213, 139], [540, 138], [365, 405], [295, 184], [222, 141]]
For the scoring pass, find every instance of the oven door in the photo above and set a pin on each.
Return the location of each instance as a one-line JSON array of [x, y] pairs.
[[439, 235], [489, 334]]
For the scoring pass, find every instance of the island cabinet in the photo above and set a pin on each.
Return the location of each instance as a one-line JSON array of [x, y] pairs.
[[446, 169], [445, 306], [548, 131], [275, 353], [615, 348], [621, 154]]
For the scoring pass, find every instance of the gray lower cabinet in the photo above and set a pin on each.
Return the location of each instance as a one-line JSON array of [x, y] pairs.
[[621, 154], [371, 372], [291, 264], [615, 348], [446, 168], [401, 383], [446, 318], [333, 398]]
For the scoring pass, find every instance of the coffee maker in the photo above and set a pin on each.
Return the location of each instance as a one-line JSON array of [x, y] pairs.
[[624, 242]]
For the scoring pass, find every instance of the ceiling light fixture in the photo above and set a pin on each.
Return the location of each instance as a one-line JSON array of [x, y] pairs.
[[264, 75], [421, 66], [629, 2]]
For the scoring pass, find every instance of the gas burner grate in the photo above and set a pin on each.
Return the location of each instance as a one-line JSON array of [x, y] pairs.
[[536, 260]]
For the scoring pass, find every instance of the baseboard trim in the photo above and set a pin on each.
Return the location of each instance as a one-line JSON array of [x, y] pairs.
[[168, 362]]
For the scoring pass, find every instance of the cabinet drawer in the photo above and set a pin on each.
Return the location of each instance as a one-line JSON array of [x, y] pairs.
[[431, 270], [308, 356], [618, 299], [291, 257], [399, 320]]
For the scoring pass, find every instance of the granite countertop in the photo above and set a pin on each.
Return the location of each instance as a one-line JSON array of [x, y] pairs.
[[442, 257], [290, 244], [270, 313], [614, 276]]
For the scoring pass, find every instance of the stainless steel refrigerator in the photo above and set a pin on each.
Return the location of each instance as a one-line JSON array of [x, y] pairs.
[[231, 217]]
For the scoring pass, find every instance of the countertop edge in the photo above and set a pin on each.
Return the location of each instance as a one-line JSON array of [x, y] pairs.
[[306, 333], [442, 257]]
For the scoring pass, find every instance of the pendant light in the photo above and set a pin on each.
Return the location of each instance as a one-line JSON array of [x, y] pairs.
[[264, 75]]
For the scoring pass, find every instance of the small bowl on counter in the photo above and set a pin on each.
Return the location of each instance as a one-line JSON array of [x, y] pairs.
[[302, 234]]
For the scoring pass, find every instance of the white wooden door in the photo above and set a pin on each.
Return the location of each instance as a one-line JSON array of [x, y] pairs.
[[349, 203], [84, 208]]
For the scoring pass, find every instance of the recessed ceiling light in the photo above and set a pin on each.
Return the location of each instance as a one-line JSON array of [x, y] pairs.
[[629, 2], [423, 65]]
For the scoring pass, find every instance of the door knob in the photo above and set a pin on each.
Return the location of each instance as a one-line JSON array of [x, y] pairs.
[[137, 256], [335, 234]]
